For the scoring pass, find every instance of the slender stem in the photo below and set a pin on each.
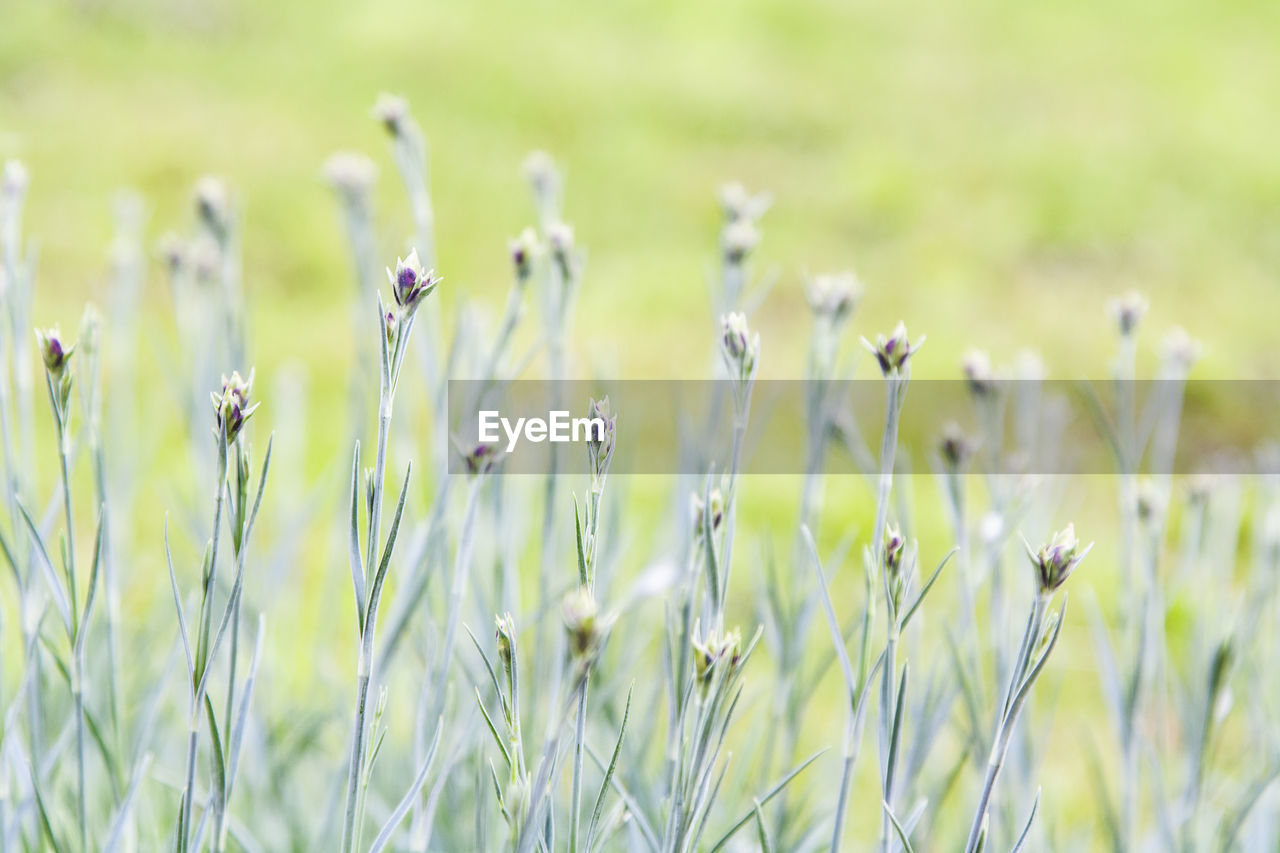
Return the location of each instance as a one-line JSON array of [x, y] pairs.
[[1008, 717], [365, 666], [206, 624], [357, 750], [575, 789]]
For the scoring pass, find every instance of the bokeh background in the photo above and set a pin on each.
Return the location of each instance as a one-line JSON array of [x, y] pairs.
[[994, 171]]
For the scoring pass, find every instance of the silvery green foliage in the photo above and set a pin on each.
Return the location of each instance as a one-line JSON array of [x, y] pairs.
[[645, 686]]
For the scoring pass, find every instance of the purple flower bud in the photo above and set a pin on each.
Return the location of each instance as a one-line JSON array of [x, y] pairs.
[[714, 652], [410, 283], [1057, 559], [480, 459], [232, 407], [523, 249], [52, 350], [739, 346], [894, 544], [892, 353]]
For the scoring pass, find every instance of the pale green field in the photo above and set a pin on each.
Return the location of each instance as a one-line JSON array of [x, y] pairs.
[[994, 171]]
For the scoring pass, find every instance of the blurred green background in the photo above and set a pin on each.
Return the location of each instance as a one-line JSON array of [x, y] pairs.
[[995, 172]]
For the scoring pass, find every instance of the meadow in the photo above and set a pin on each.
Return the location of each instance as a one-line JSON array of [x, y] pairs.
[[323, 624]]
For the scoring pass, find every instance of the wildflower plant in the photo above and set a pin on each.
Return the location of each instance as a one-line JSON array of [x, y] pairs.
[[619, 610]]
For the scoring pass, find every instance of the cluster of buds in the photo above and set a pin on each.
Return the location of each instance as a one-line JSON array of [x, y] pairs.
[[600, 446], [700, 509], [213, 205], [894, 352], [393, 112], [834, 296], [410, 283], [232, 408], [583, 622], [351, 176], [739, 347], [978, 373], [524, 249], [1057, 559], [954, 448], [714, 653], [1128, 311]]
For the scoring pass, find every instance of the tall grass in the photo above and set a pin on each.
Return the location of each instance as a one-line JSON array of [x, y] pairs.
[[652, 680]]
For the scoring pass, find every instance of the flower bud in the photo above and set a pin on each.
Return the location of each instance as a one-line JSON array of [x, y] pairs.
[[1128, 311], [714, 653], [480, 459], [954, 448], [505, 634], [351, 175], [738, 204], [393, 112], [233, 408], [600, 447], [894, 544], [213, 204], [90, 330], [893, 352], [1180, 350], [524, 249], [1056, 560], [560, 239], [834, 296], [699, 508], [738, 239], [739, 347], [390, 325], [541, 173], [978, 373], [583, 622], [410, 283], [52, 350]]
